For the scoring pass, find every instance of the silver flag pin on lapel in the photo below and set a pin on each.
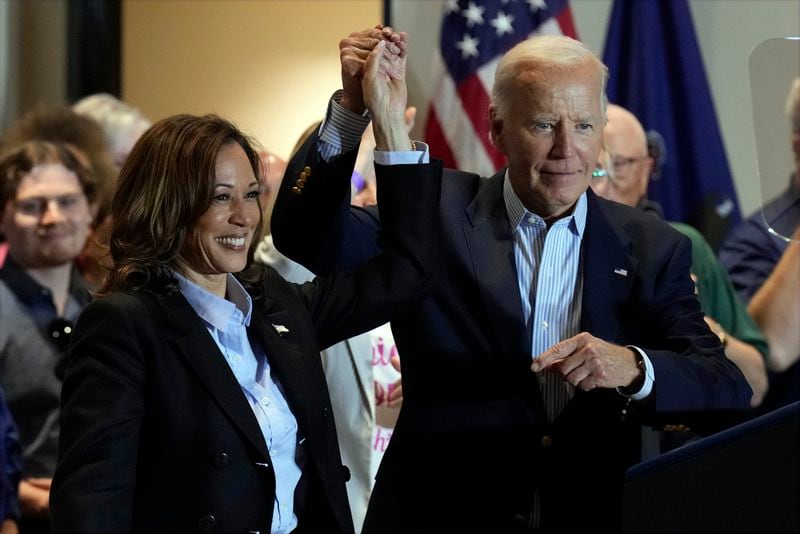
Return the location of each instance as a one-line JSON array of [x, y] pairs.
[[281, 330], [621, 272]]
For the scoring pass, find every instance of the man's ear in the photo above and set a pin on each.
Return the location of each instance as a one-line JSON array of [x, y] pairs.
[[496, 132]]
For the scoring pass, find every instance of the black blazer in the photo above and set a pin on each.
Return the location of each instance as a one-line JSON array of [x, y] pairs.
[[156, 432], [473, 448]]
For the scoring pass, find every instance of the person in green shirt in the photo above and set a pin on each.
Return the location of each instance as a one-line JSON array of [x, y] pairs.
[[726, 314]]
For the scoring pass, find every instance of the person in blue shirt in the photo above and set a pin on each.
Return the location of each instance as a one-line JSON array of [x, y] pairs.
[[194, 398], [762, 256], [10, 470]]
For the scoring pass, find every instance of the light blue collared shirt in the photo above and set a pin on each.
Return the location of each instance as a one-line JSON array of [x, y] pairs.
[[227, 321], [550, 277], [548, 269]]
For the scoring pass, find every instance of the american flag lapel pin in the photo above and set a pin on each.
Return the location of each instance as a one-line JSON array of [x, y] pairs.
[[621, 272]]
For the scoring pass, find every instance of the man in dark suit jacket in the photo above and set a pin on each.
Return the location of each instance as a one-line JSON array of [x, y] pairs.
[[482, 442]]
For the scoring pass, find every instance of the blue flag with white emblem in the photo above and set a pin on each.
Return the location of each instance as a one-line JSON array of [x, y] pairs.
[[656, 72]]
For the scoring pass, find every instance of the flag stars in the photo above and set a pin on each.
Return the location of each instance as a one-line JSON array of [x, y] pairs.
[[537, 5], [451, 6], [502, 23], [473, 14], [468, 46]]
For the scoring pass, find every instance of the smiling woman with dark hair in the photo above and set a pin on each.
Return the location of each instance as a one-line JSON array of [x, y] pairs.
[[182, 172], [194, 398]]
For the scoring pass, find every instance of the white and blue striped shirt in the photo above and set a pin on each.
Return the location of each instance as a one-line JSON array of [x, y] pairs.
[[548, 270], [550, 276], [342, 129]]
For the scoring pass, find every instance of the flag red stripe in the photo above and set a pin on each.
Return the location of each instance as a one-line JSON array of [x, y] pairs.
[[437, 142], [564, 19], [464, 108], [475, 101]]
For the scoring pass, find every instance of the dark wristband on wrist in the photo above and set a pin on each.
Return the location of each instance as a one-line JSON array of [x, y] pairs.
[[637, 384]]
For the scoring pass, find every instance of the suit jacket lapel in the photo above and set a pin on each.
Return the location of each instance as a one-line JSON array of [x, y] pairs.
[[490, 244], [608, 272], [292, 370], [201, 353]]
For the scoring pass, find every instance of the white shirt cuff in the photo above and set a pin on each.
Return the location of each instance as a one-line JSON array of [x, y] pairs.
[[404, 157], [649, 377]]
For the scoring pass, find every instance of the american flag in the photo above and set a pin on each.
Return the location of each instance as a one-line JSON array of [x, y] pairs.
[[474, 35]]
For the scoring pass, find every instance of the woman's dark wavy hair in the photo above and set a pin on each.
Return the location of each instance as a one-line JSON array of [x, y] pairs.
[[166, 184]]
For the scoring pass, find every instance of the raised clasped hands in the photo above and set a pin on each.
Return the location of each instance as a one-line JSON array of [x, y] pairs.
[[588, 362], [374, 77], [353, 53]]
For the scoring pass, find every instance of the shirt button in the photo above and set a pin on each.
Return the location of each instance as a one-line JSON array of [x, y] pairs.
[[283, 507], [237, 358], [545, 325], [265, 401], [220, 459], [206, 523], [531, 219], [546, 441]]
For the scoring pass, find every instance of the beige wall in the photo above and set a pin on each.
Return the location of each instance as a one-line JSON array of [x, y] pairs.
[[34, 59], [269, 65]]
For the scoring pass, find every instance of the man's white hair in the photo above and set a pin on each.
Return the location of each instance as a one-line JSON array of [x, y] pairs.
[[543, 52], [117, 118]]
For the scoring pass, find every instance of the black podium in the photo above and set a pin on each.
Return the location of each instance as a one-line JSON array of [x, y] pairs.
[[744, 479]]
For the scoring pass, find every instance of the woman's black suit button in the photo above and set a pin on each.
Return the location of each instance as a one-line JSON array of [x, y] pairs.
[[206, 523], [220, 459]]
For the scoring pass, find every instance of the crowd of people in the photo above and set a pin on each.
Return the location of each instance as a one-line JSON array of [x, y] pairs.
[[195, 334]]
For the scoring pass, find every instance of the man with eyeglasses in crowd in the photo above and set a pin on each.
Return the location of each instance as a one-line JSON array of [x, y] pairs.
[[46, 199], [623, 174], [625, 156]]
